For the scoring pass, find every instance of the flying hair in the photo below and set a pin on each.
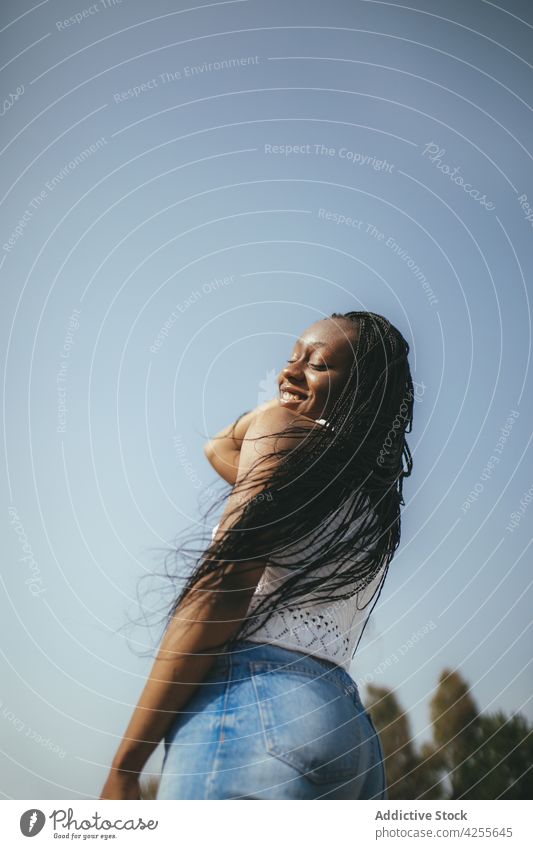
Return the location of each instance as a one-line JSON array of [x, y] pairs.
[[339, 486]]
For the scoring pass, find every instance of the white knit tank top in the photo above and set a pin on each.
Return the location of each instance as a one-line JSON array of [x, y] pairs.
[[328, 630]]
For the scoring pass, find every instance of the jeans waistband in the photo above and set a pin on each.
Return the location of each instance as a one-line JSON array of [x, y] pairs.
[[247, 650]]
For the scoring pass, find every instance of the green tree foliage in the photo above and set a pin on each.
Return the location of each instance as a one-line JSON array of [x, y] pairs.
[[456, 731], [410, 774], [470, 755], [504, 761]]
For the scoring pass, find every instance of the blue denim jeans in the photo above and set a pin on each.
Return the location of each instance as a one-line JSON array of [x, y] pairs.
[[273, 723]]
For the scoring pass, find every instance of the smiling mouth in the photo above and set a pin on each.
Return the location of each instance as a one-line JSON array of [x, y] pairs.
[[291, 396]]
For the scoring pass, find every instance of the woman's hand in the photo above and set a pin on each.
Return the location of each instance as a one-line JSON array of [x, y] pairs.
[[120, 785]]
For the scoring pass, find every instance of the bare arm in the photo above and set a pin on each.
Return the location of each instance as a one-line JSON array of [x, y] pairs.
[[210, 614], [209, 617], [224, 449]]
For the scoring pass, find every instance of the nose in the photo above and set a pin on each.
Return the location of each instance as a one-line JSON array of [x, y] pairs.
[[293, 370]]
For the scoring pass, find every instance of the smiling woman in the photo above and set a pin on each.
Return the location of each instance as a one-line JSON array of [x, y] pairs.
[[251, 690], [315, 374]]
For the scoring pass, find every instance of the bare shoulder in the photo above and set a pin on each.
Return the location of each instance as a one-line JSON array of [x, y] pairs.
[[279, 420], [270, 433], [273, 430]]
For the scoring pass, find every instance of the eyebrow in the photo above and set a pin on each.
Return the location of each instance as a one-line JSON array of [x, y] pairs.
[[316, 344]]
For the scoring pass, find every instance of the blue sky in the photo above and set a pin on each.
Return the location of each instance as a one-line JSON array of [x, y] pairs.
[[187, 191]]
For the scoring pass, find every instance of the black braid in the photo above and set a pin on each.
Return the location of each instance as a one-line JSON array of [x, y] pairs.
[[355, 462]]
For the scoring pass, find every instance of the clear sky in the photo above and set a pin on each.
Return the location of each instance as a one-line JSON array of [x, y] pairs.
[[185, 191]]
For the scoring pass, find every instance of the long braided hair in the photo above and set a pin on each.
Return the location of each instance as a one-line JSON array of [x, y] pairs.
[[337, 479]]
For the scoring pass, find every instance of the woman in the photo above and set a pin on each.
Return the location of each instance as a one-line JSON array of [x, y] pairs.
[[250, 689]]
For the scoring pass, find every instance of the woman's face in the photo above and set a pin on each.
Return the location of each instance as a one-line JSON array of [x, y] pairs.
[[318, 368]]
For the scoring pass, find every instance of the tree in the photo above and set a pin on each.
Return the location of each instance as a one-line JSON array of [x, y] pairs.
[[409, 775], [471, 755], [456, 730], [503, 763], [150, 786]]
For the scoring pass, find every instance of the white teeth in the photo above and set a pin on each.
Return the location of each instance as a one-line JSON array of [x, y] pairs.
[[288, 396]]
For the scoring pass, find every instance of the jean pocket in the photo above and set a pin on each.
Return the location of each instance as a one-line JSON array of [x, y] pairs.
[[308, 721]]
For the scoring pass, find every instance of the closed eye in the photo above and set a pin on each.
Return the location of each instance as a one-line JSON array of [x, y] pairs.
[[317, 367]]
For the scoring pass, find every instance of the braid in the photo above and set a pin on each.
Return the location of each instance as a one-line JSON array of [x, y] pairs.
[[356, 463]]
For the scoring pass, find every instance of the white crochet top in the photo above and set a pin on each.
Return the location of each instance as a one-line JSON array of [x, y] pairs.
[[329, 630]]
